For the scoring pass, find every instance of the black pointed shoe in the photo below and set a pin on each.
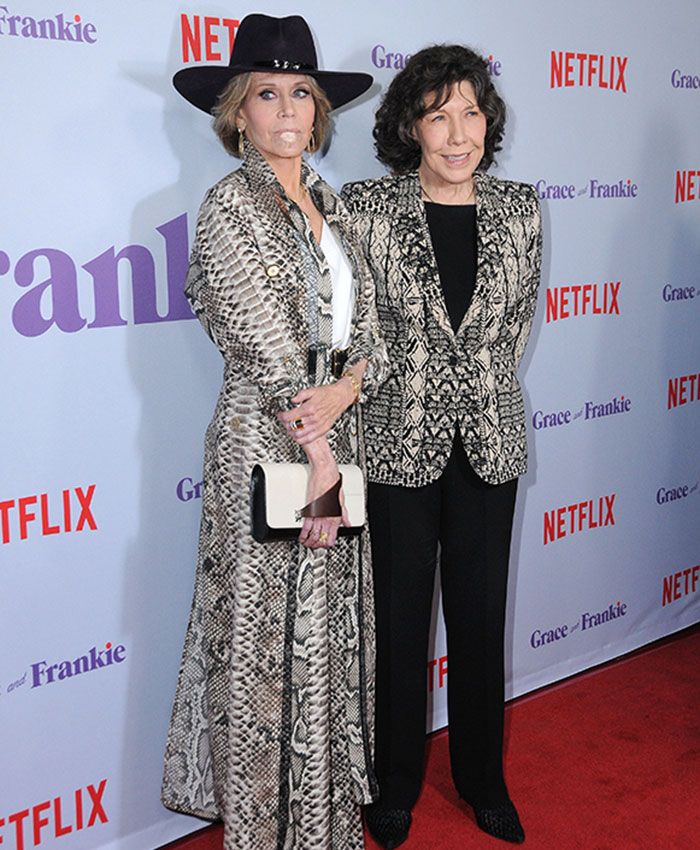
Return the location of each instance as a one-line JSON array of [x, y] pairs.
[[388, 827], [501, 822]]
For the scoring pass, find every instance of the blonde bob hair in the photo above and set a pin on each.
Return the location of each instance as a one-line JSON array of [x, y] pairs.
[[234, 94]]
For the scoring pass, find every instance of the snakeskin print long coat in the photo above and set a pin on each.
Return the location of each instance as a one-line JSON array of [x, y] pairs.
[[440, 379], [272, 722]]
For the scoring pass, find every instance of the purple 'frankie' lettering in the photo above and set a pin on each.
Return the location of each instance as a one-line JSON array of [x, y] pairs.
[[177, 260], [47, 29], [65, 33], [104, 272], [61, 304], [30, 28], [62, 286]]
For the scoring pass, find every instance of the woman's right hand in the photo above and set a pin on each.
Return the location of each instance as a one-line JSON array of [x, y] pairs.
[[322, 532]]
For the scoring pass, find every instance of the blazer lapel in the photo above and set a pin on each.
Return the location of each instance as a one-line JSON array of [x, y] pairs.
[[413, 235], [489, 290]]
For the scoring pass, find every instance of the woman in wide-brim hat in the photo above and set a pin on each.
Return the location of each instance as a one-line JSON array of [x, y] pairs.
[[272, 722]]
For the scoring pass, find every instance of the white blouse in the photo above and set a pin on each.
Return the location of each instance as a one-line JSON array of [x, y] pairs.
[[343, 287]]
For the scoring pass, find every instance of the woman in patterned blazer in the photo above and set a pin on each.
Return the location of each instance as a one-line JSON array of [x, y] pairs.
[[455, 255], [272, 723]]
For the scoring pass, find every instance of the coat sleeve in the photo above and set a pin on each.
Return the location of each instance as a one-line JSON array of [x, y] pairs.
[[529, 284], [367, 342], [229, 290]]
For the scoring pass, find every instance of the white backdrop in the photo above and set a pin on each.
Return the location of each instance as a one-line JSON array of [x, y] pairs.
[[107, 383]]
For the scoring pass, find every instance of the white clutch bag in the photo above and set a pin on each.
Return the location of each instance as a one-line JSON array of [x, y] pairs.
[[278, 498]]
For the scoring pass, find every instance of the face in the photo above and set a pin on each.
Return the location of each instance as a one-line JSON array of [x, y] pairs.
[[452, 137], [278, 114]]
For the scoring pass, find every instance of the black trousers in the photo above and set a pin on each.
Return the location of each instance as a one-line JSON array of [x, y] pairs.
[[472, 522]]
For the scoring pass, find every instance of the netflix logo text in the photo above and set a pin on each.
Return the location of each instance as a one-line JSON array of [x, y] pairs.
[[583, 299], [687, 186], [437, 673], [680, 584], [683, 390], [588, 70], [54, 818], [207, 37], [45, 514], [579, 517]]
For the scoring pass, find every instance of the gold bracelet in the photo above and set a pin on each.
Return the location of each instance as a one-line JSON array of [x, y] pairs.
[[356, 385]]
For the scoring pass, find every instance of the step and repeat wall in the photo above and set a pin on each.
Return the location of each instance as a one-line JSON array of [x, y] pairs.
[[108, 383]]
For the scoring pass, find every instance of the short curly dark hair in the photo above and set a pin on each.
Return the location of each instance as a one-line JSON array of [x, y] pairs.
[[434, 70]]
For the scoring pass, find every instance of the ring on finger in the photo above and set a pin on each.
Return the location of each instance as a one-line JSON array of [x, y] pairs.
[[323, 536], [297, 424]]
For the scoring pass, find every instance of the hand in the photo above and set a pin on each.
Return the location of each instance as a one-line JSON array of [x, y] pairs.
[[318, 408], [322, 532]]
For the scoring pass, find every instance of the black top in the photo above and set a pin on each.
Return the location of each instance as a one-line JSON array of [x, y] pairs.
[[453, 234]]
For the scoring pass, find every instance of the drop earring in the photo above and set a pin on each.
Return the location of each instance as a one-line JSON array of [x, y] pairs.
[[311, 146], [241, 149]]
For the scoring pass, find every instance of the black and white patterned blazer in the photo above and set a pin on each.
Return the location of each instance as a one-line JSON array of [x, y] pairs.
[[438, 378]]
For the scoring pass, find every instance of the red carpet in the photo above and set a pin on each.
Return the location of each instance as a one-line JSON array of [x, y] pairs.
[[609, 760]]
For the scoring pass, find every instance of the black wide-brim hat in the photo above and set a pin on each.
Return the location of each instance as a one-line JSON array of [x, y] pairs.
[[271, 45]]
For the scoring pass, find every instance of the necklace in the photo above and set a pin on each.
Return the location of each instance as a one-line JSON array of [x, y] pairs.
[[285, 198], [303, 195], [425, 192]]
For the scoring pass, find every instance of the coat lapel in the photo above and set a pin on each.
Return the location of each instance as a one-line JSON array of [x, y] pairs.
[[489, 289], [266, 190], [338, 219], [277, 241], [413, 235]]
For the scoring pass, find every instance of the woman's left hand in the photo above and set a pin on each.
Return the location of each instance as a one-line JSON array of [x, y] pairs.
[[317, 408]]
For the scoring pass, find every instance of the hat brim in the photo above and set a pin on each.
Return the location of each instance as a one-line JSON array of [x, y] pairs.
[[201, 85]]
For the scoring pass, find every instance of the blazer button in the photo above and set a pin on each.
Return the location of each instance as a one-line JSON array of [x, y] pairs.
[[272, 271], [235, 422], [453, 360]]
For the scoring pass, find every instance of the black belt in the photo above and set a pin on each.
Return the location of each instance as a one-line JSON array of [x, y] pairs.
[[337, 358]]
